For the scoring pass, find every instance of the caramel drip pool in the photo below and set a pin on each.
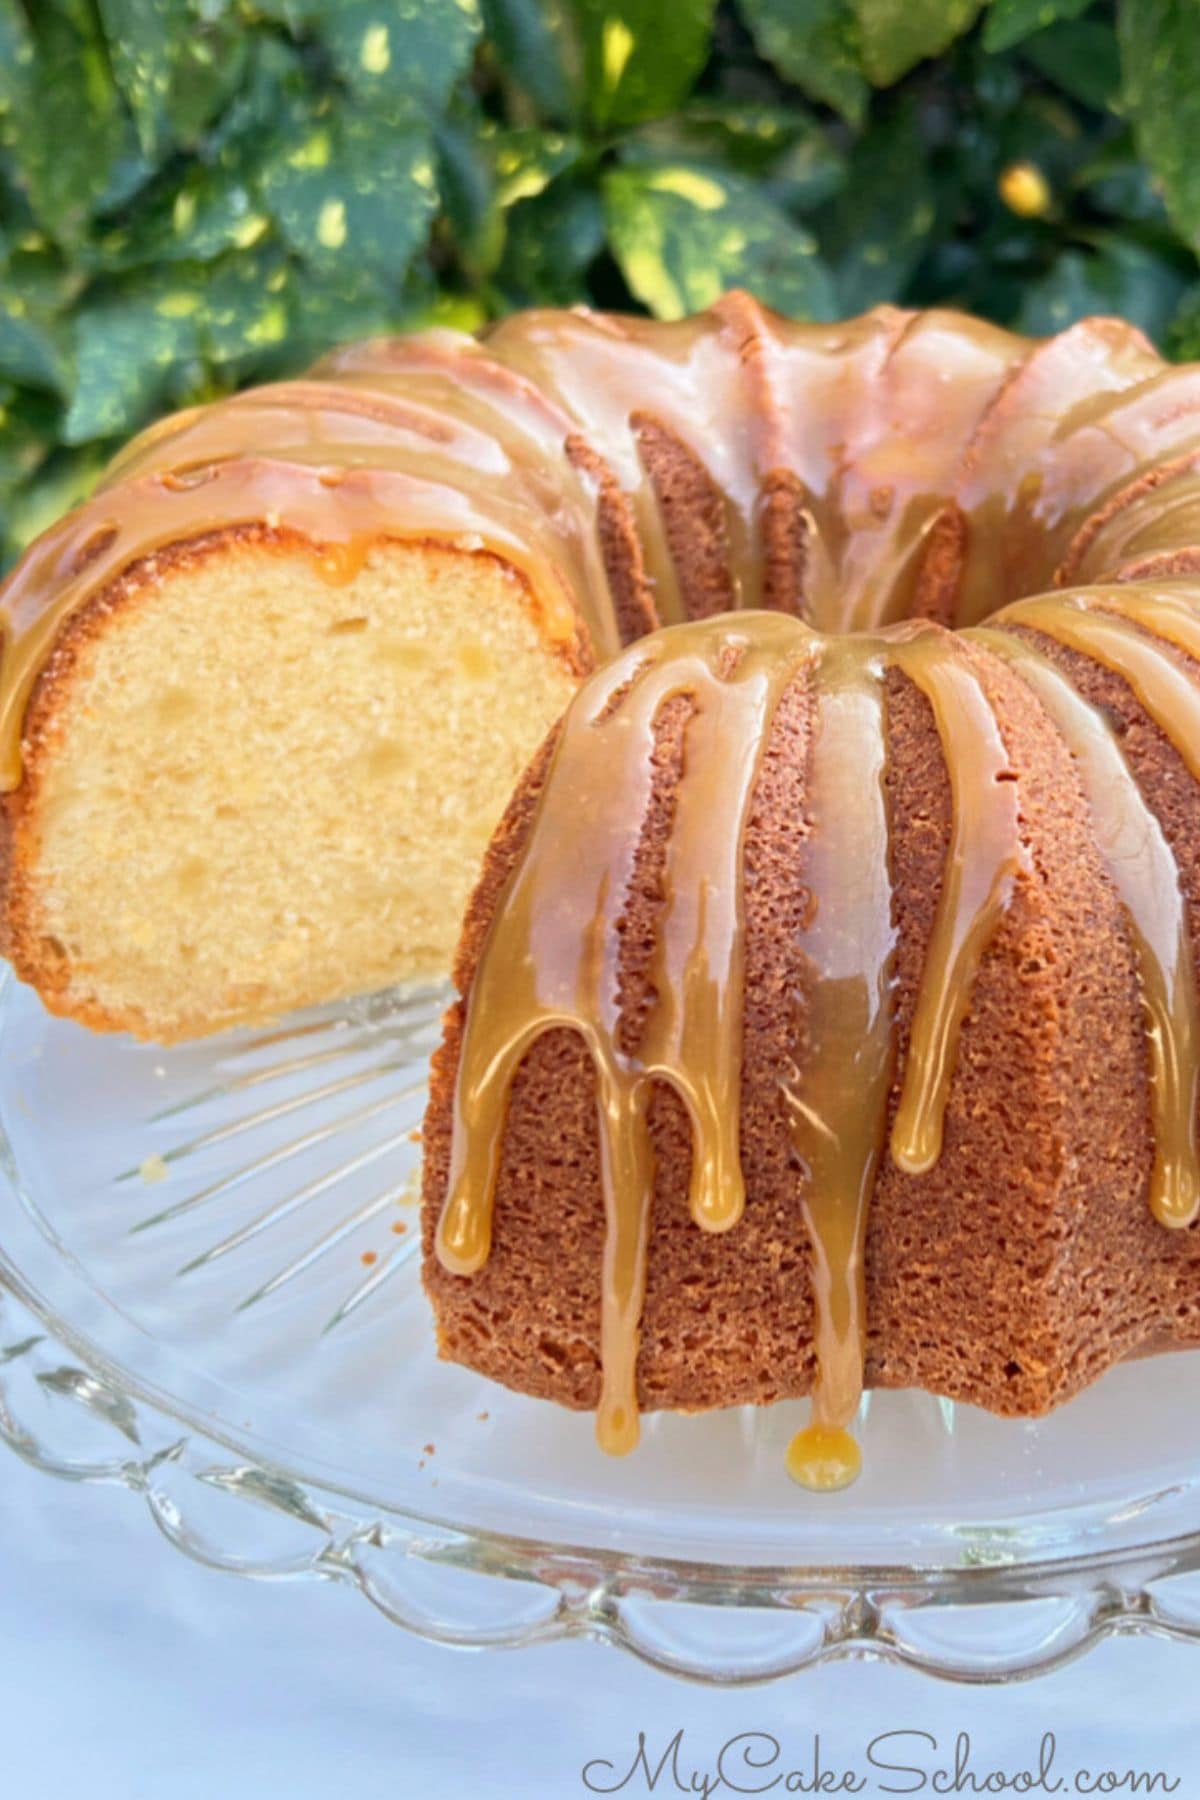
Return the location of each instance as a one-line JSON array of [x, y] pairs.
[[551, 960]]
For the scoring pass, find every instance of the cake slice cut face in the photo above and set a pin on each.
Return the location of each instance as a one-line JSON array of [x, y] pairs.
[[256, 778]]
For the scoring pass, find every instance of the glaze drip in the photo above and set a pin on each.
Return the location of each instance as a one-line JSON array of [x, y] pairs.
[[551, 960], [984, 859], [1143, 871], [837, 1100], [552, 955], [1167, 692]]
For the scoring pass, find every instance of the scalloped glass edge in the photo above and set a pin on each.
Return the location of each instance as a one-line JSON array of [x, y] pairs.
[[483, 1590], [66, 1408]]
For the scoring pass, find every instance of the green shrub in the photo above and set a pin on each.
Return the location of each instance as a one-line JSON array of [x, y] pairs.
[[195, 194]]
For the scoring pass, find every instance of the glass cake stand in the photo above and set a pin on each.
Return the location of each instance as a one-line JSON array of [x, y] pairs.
[[210, 1294]]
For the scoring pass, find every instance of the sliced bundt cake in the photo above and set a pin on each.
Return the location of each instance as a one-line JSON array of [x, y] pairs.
[[262, 699]]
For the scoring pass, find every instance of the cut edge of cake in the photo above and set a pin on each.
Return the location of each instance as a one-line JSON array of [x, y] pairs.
[[226, 812]]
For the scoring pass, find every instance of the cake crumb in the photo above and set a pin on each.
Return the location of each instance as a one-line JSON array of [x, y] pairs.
[[154, 1169], [483, 1417], [399, 1227], [369, 1257], [431, 1449]]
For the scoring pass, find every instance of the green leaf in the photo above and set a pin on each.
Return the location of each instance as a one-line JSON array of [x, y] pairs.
[[1160, 53], [34, 289], [684, 234], [27, 431], [1117, 277], [529, 40], [30, 349], [551, 241], [202, 206], [807, 175], [354, 186], [16, 53], [1081, 59], [897, 34], [1010, 21], [881, 226], [132, 348], [815, 44], [1117, 181], [1183, 333], [205, 215], [473, 223], [69, 130], [175, 61], [335, 304], [637, 63], [410, 53], [246, 317], [784, 145], [527, 161], [276, 96], [1042, 129], [483, 173]]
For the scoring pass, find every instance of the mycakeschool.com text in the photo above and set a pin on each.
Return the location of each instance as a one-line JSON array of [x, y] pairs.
[[898, 1761]]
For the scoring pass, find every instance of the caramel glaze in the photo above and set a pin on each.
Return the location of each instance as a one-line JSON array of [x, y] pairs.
[[551, 959], [870, 550], [895, 465], [868, 484]]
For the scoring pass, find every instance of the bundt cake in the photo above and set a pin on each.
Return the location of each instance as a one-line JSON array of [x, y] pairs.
[[828, 1002], [264, 697], [828, 1006]]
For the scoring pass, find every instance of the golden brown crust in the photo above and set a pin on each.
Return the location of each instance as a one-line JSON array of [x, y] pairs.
[[975, 1270], [943, 558], [620, 546], [1027, 1260], [1147, 482], [1140, 1269], [983, 1274], [693, 515], [1168, 565], [786, 528]]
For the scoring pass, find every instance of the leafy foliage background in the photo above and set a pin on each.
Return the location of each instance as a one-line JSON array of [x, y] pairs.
[[197, 194]]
